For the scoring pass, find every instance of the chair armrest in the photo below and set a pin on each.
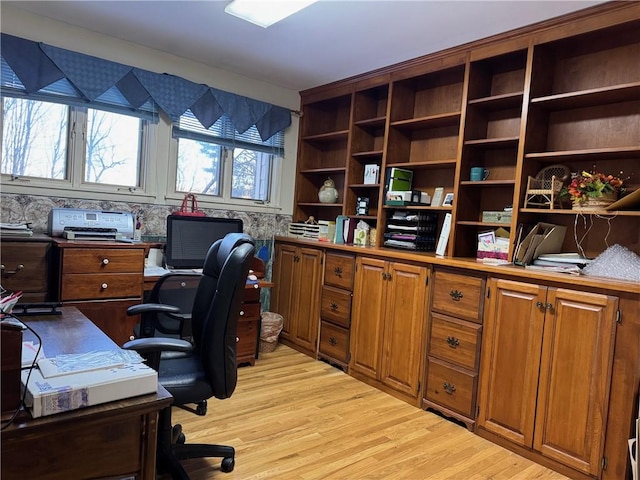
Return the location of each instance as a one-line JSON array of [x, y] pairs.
[[158, 344], [151, 348], [152, 307]]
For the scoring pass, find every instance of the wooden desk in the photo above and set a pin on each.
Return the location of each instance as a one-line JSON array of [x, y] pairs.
[[112, 440]]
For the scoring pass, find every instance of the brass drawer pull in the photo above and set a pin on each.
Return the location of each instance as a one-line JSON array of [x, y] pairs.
[[334, 307], [450, 388], [12, 272], [456, 295], [338, 271], [453, 342]]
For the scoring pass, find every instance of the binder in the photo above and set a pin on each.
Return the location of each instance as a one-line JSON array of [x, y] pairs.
[[543, 238], [399, 179]]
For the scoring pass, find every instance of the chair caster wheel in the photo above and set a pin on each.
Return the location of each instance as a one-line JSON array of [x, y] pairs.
[[176, 435], [201, 408], [228, 464]]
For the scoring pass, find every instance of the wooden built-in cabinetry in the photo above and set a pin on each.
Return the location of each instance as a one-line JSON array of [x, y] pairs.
[[453, 351], [296, 296], [562, 92], [544, 364], [388, 322], [546, 370], [335, 309]]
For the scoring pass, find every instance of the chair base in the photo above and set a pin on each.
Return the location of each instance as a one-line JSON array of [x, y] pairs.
[[172, 449]]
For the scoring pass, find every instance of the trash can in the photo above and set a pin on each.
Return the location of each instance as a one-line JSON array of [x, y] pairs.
[[269, 331]]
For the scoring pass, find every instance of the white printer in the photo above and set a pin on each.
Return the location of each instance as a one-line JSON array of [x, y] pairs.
[[83, 224]]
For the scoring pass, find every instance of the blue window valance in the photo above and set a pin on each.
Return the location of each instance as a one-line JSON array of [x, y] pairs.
[[37, 66]]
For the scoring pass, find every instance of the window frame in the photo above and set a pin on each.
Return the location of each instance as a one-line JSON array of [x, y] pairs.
[[76, 161]]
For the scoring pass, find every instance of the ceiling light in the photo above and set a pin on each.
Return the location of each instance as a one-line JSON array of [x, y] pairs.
[[265, 12]]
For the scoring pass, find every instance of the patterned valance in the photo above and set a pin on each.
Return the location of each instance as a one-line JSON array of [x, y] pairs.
[[38, 65]]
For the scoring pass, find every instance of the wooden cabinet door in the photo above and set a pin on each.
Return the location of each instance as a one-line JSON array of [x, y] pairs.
[[575, 374], [367, 316], [510, 361], [306, 311], [111, 317], [282, 299], [404, 327]]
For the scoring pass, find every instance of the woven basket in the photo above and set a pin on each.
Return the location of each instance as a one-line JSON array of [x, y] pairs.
[[269, 331], [598, 203]]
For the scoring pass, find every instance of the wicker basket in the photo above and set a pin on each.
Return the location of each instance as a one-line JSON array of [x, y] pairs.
[[269, 331], [598, 203]]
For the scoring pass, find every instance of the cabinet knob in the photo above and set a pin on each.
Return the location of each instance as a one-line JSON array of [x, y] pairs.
[[549, 307], [105, 261], [333, 306], [11, 272], [453, 342], [104, 286], [450, 388], [456, 295], [237, 339], [333, 341], [242, 313], [338, 272], [540, 305]]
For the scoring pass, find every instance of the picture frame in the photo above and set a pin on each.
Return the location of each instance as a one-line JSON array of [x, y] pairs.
[[448, 200]]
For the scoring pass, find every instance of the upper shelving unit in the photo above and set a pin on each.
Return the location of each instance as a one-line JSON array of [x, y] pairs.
[[566, 94]]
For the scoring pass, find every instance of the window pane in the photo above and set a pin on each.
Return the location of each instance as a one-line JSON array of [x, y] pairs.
[[198, 168], [113, 146], [251, 174], [34, 138]]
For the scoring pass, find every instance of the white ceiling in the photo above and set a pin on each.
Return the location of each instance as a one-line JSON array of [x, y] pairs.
[[328, 41]]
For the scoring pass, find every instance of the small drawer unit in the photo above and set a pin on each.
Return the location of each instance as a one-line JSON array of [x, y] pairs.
[[101, 279], [454, 340], [248, 327], [335, 308], [25, 267]]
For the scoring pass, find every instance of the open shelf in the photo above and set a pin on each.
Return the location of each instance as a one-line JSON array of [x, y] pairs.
[[589, 98]]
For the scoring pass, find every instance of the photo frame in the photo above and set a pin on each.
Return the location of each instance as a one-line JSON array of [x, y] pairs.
[[448, 200]]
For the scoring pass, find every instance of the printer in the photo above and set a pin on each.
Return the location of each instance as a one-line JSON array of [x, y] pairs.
[[84, 224]]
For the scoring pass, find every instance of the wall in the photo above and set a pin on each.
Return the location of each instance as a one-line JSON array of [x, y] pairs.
[[19, 204]]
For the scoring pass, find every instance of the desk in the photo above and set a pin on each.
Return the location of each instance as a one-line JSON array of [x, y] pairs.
[[114, 440], [249, 321]]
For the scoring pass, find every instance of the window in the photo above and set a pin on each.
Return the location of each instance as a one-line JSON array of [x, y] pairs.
[[50, 141], [222, 163]]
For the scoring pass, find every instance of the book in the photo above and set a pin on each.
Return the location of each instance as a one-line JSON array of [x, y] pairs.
[[444, 235], [47, 396], [438, 195]]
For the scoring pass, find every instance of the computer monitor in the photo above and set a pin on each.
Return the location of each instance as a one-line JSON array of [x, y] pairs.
[[189, 238]]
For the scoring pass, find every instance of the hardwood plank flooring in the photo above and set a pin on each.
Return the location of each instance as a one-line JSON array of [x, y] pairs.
[[294, 418]]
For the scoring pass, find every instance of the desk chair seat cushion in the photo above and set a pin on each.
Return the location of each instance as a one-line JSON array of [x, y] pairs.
[[185, 379]]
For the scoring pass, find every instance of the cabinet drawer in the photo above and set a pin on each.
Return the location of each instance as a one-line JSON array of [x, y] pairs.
[[339, 270], [251, 295], [455, 340], [247, 337], [451, 387], [97, 260], [25, 266], [250, 311], [336, 305], [99, 286], [458, 294], [334, 341]]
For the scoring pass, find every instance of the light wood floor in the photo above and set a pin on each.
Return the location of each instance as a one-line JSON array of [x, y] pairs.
[[292, 417]]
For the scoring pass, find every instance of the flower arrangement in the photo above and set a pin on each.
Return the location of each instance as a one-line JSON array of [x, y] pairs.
[[585, 186]]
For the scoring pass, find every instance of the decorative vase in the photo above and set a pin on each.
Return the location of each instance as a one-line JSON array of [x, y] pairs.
[[595, 203], [328, 192]]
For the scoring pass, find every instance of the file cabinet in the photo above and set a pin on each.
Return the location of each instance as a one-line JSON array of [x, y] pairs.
[[335, 308], [25, 267], [453, 352], [101, 279]]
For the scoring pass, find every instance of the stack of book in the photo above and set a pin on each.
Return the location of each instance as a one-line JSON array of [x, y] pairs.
[[560, 262], [22, 229]]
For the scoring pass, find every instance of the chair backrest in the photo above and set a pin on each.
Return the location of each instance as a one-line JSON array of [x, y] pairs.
[[216, 308], [178, 289]]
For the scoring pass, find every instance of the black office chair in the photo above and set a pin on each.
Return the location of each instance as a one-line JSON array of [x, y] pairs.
[[208, 367], [177, 289]]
